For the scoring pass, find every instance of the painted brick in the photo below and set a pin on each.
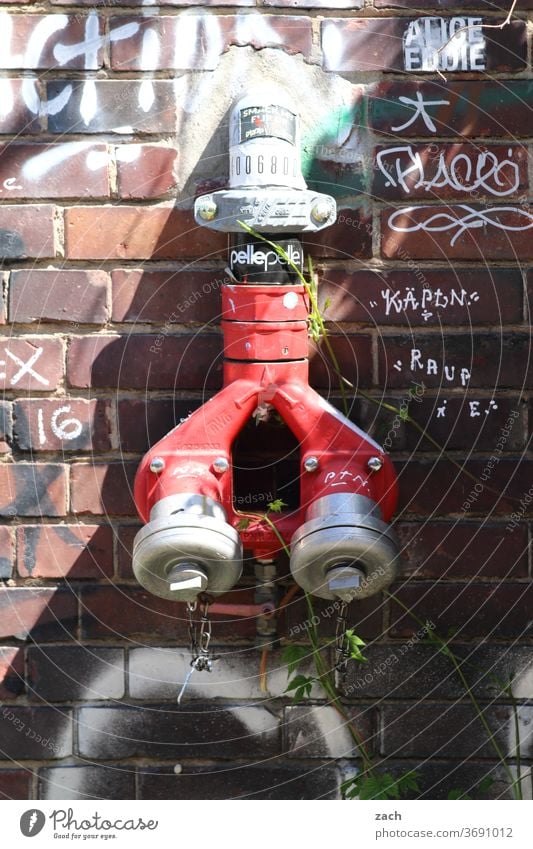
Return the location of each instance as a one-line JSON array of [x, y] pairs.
[[37, 613], [27, 231], [145, 170], [450, 171], [73, 170], [448, 730], [7, 551], [376, 44], [412, 670], [6, 427], [438, 487], [423, 296], [58, 295], [155, 731], [472, 108], [503, 6], [267, 780], [143, 423], [110, 781], [353, 355], [11, 672], [197, 41], [64, 673], [138, 232], [187, 3], [146, 362], [42, 733], [500, 610], [470, 232], [58, 49], [33, 489], [65, 551], [62, 424], [318, 731], [118, 107], [491, 360], [315, 4], [169, 295], [462, 550], [103, 489], [349, 238], [22, 105], [15, 784], [31, 363]]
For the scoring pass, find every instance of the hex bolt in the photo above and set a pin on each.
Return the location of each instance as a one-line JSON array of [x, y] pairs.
[[157, 465], [311, 464], [321, 211], [221, 465], [375, 464], [207, 209]]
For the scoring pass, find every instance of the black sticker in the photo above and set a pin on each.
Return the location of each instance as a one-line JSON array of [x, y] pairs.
[[274, 121]]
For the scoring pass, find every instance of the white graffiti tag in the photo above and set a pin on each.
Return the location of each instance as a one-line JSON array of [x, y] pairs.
[[405, 167], [419, 106], [472, 219]]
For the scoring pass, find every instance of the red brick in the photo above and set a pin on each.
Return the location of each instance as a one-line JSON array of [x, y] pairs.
[[354, 356], [32, 489], [15, 783], [438, 488], [6, 427], [27, 231], [368, 613], [7, 552], [130, 612], [73, 170], [21, 106], [179, 297], [126, 535], [103, 489], [473, 108], [376, 44], [449, 421], [349, 238], [143, 423], [467, 610], [11, 672], [198, 41], [492, 361], [118, 111], [77, 29], [58, 295], [146, 362], [38, 613], [63, 424], [145, 170], [65, 551], [503, 6], [447, 550], [423, 296], [138, 232], [468, 171], [111, 3], [45, 355]]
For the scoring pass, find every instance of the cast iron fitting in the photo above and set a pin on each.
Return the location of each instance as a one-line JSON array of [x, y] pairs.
[[267, 190], [187, 548], [344, 550]]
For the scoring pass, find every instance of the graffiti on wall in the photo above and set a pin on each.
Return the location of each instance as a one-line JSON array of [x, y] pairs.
[[444, 44]]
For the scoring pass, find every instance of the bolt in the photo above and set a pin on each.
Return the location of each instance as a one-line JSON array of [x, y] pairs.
[[221, 465], [321, 211], [311, 464], [207, 209], [157, 465], [344, 580], [188, 579], [375, 464]]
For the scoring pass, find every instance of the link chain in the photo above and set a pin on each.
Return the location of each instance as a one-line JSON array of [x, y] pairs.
[[342, 650]]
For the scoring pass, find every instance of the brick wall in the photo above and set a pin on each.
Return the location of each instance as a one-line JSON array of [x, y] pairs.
[[109, 114]]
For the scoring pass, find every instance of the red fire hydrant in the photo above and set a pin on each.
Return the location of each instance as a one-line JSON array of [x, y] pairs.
[[340, 541]]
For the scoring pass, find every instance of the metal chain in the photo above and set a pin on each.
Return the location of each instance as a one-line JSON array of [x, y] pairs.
[[342, 651], [199, 639]]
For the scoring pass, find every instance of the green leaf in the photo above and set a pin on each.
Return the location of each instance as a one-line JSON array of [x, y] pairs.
[[409, 781], [456, 793], [404, 413], [327, 304], [380, 785], [353, 646], [293, 656], [276, 506], [243, 524], [299, 681]]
